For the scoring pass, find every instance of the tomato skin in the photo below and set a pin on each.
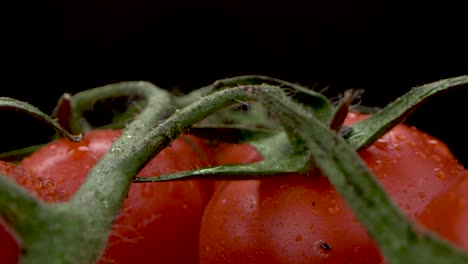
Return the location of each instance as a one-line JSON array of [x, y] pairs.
[[227, 153], [285, 219], [43, 189], [157, 219], [447, 214], [270, 220], [412, 166]]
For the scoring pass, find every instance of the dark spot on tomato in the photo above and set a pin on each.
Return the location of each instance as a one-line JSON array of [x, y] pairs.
[[325, 246]]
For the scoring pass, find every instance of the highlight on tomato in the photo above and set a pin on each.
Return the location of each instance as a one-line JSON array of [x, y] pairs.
[[290, 216], [301, 218], [156, 218]]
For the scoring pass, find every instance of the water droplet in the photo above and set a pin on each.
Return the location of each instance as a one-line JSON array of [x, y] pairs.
[[261, 228], [116, 150], [436, 158], [401, 137], [421, 155], [381, 143], [356, 249], [83, 148], [421, 195], [441, 151], [412, 144], [49, 183], [334, 210], [440, 173], [298, 238], [37, 183]]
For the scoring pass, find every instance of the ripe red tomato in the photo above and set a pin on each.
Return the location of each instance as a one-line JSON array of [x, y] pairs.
[[43, 189], [447, 214], [412, 166], [157, 219], [301, 219]]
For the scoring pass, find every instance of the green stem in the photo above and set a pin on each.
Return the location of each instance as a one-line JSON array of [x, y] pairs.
[[350, 176], [367, 131], [318, 103], [395, 234], [17, 206], [82, 101], [77, 231], [16, 105]]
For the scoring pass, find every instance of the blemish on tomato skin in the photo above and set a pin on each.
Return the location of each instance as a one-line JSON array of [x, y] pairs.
[[322, 248]]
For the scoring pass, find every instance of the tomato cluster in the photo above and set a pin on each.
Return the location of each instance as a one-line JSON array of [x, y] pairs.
[[290, 218]]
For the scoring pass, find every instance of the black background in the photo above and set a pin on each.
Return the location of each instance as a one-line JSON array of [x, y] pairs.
[[384, 47]]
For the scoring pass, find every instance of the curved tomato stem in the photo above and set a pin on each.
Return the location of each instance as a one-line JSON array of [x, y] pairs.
[[17, 105], [83, 101], [314, 101], [350, 176], [76, 231], [18, 207], [367, 131]]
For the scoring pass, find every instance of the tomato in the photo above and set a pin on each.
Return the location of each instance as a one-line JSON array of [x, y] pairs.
[[447, 214], [412, 166], [157, 220], [43, 189], [302, 219], [227, 153]]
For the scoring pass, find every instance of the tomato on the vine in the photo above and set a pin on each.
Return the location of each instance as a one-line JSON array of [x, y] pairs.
[[447, 214], [44, 189], [157, 220], [301, 219], [289, 218]]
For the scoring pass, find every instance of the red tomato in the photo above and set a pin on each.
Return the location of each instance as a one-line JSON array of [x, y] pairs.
[[301, 219], [157, 219], [447, 214], [412, 166], [43, 189], [227, 153]]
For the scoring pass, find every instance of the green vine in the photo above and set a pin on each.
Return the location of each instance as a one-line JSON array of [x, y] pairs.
[[56, 233]]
